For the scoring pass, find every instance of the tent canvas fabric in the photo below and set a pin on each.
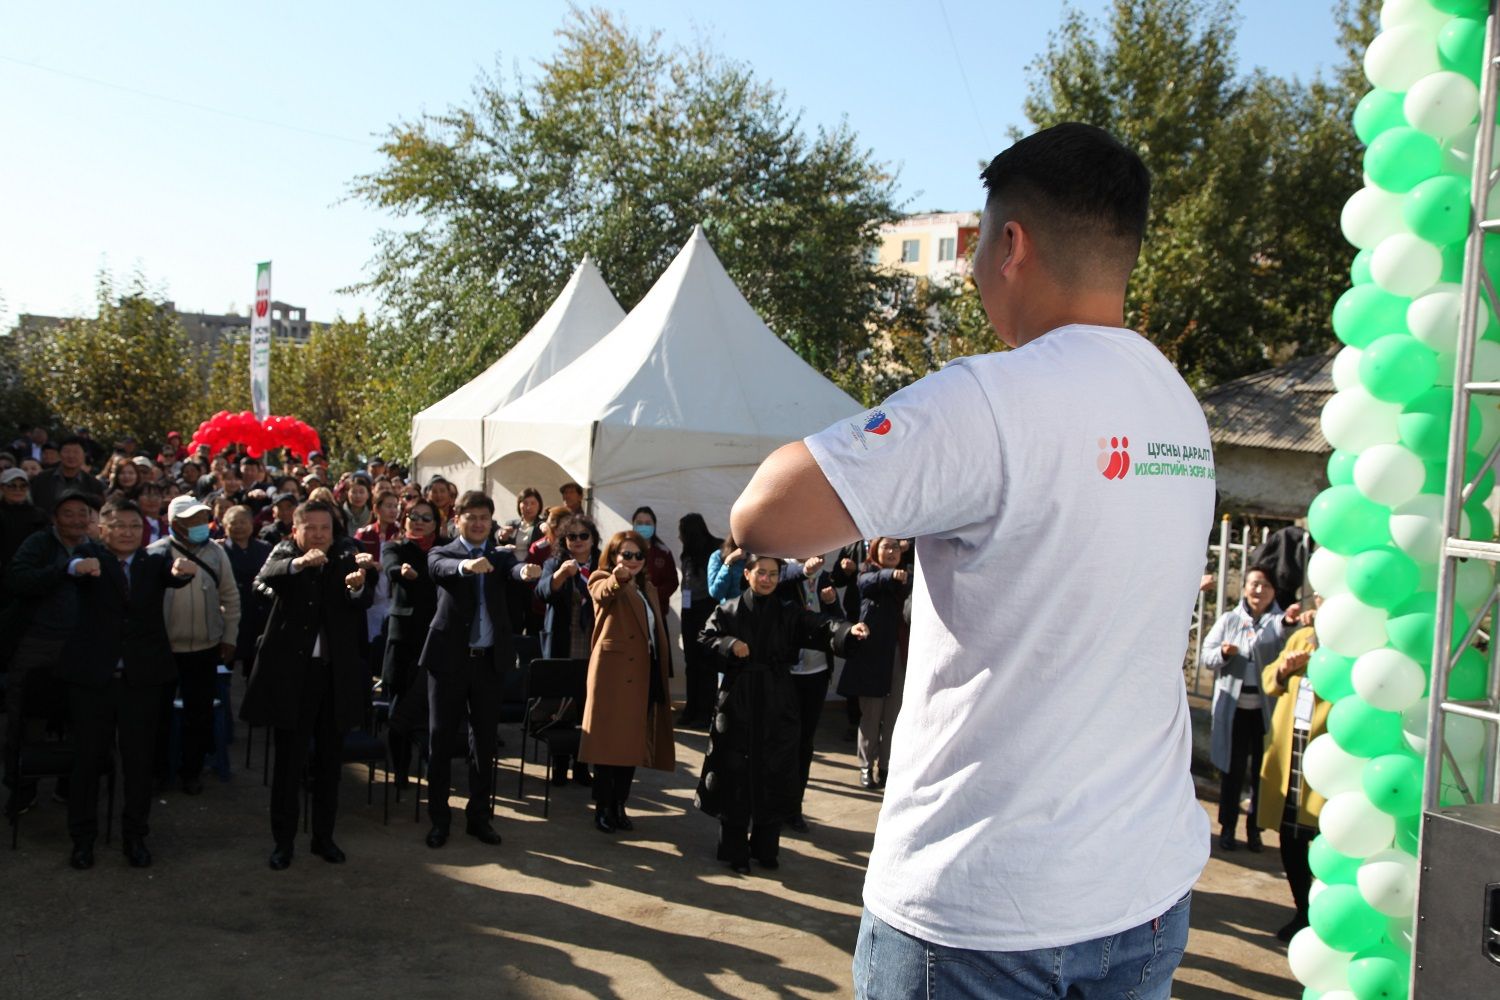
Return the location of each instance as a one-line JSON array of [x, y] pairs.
[[674, 408], [447, 438]]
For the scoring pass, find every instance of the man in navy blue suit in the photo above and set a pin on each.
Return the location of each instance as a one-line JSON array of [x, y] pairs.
[[117, 667], [468, 650]]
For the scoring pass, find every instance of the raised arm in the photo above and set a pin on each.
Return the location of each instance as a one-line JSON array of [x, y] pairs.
[[789, 507]]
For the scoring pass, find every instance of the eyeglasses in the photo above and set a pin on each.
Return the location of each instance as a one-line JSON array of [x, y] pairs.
[[408, 497], [423, 518], [579, 536], [630, 556]]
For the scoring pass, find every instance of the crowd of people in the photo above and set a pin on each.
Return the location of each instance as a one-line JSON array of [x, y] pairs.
[[133, 582]]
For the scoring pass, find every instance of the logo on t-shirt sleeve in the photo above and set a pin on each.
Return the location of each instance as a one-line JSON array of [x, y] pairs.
[[871, 430], [1114, 458]]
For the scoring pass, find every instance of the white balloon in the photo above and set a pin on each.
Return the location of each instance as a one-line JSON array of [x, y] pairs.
[[1316, 889], [1354, 420], [1464, 736], [1476, 578], [1489, 430], [1405, 264], [1389, 679], [1399, 930], [1388, 882], [1315, 964], [1419, 12], [1402, 55], [1389, 474], [1348, 626], [1354, 827], [1486, 361], [1371, 215], [1346, 367], [1458, 153], [1414, 726], [1441, 104], [1417, 527], [1325, 571], [1433, 317], [1330, 769]]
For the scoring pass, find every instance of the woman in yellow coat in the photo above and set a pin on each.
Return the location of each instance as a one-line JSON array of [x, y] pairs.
[[627, 720], [1286, 803]]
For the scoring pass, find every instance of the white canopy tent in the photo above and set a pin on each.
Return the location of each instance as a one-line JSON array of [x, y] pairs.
[[673, 409], [448, 437]]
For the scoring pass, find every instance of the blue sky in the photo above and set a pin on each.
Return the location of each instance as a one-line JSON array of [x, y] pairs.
[[271, 108]]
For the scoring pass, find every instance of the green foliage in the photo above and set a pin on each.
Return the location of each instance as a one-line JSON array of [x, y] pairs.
[[1243, 256], [618, 147]]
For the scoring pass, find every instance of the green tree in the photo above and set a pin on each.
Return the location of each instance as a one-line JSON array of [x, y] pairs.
[[1243, 257], [618, 147], [129, 370]]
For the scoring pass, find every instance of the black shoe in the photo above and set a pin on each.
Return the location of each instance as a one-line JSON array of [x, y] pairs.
[[866, 779], [328, 851], [1292, 927], [483, 832], [602, 823], [20, 803], [583, 777], [769, 864], [281, 858], [82, 857], [192, 786], [797, 824], [136, 853], [559, 778], [437, 837], [740, 867], [1253, 842], [1226, 841], [620, 820], [880, 781]]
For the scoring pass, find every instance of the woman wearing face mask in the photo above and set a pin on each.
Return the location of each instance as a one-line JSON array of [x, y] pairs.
[[661, 568], [876, 670], [627, 720], [413, 600], [1242, 642], [568, 630]]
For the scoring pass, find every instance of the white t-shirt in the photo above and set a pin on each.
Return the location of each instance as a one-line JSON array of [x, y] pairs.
[[1039, 790]]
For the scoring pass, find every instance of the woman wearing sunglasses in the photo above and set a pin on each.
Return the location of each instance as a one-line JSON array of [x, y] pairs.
[[627, 719], [413, 599], [568, 628]]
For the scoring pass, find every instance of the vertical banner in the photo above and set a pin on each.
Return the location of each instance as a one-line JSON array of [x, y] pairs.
[[260, 343]]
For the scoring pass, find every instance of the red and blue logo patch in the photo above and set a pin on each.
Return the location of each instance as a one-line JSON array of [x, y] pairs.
[[878, 423], [871, 430]]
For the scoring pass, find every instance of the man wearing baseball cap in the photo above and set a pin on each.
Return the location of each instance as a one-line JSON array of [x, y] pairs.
[[203, 622]]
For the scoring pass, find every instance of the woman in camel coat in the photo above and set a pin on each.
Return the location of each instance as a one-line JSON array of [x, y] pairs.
[[627, 720]]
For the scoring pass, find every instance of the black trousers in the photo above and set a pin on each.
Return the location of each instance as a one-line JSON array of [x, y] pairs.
[[1247, 745], [738, 843], [317, 732], [406, 686], [812, 691], [467, 687], [612, 784], [102, 715], [1295, 841], [700, 671], [197, 678]]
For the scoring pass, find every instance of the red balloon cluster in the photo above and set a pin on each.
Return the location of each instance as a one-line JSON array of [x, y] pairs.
[[258, 436]]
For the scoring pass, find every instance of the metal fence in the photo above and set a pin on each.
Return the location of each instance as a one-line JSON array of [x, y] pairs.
[[1228, 558]]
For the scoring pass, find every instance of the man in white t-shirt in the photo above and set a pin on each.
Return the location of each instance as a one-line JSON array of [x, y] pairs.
[[1040, 835]]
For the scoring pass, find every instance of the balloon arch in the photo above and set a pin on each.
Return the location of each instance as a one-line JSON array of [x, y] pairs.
[[258, 436]]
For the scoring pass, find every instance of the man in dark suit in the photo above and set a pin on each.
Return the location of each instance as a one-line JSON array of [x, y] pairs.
[[467, 652], [117, 668], [309, 681]]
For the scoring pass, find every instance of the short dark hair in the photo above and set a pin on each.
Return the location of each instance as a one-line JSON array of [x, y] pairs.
[[565, 487], [535, 494], [1081, 193], [475, 498], [314, 507], [71, 439], [120, 505]]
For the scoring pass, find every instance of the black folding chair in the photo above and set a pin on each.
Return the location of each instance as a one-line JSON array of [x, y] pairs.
[[44, 698], [551, 679]]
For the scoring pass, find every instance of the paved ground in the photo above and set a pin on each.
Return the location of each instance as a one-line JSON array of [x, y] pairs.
[[558, 910]]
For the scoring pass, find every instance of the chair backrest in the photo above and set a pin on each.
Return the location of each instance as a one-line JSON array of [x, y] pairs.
[[556, 679]]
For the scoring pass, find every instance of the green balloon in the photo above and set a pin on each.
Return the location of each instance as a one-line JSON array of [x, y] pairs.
[[1379, 111], [1397, 368], [1341, 917], [1460, 8], [1423, 423], [1329, 673], [1359, 269], [1380, 973], [1460, 45], [1408, 832], [1394, 783], [1400, 158], [1436, 480], [1308, 993], [1481, 524], [1363, 730], [1413, 623], [1382, 578], [1341, 519], [1438, 209], [1329, 865], [1469, 678], [1365, 313], [1341, 468]]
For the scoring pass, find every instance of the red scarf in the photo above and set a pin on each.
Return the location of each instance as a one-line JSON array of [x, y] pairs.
[[425, 544]]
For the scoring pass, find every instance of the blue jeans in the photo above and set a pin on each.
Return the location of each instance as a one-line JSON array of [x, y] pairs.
[[1137, 964]]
